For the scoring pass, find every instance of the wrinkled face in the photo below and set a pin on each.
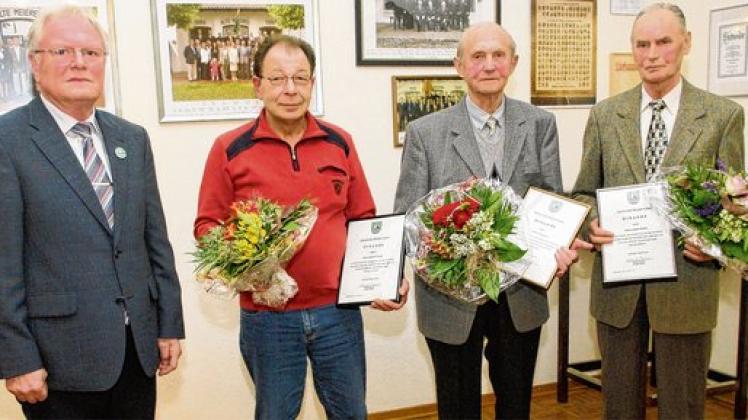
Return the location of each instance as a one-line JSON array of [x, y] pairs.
[[659, 43], [289, 100], [65, 80], [487, 60]]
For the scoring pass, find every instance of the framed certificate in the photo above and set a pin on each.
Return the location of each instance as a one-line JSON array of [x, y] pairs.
[[373, 262], [728, 51], [642, 247], [547, 221]]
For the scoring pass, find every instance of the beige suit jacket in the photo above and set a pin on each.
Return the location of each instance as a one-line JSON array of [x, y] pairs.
[[707, 127]]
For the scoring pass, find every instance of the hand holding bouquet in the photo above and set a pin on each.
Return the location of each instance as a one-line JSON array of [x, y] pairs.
[[247, 252], [710, 208], [458, 239]]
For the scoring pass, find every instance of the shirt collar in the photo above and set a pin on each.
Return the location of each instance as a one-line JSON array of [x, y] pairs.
[[478, 117], [672, 99], [65, 121], [265, 131]]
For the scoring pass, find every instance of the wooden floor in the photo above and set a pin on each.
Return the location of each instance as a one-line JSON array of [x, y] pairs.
[[584, 403]]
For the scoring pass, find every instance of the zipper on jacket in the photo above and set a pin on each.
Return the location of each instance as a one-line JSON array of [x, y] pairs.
[[294, 158]]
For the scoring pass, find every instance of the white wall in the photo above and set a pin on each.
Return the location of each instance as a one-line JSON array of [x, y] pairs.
[[212, 382]]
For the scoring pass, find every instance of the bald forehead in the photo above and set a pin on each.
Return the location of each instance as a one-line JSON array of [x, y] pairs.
[[484, 31]]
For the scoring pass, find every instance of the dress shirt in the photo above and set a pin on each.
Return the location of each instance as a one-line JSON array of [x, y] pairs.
[[672, 103]]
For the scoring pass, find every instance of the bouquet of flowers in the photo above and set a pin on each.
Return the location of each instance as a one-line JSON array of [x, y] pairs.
[[458, 238], [247, 252], [710, 208]]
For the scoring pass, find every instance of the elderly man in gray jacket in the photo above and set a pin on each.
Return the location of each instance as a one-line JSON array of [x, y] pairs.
[[486, 134]]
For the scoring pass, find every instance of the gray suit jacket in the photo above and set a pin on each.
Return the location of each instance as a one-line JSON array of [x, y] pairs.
[[440, 149], [706, 127], [65, 276]]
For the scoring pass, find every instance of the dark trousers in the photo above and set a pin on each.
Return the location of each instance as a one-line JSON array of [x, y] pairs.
[[681, 360], [511, 357], [132, 397]]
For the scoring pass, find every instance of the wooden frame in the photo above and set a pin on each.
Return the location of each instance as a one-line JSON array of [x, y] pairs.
[[416, 96], [407, 32]]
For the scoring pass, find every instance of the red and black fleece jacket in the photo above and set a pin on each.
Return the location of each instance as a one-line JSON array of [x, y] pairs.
[[323, 166]]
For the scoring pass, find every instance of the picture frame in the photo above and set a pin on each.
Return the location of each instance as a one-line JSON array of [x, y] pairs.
[[17, 86], [563, 60], [728, 51], [625, 7], [416, 96], [410, 32], [623, 73], [217, 85]]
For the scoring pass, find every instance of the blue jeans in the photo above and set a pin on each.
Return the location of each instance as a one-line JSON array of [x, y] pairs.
[[276, 345]]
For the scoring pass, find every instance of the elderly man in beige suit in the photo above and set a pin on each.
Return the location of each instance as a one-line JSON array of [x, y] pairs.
[[699, 128]]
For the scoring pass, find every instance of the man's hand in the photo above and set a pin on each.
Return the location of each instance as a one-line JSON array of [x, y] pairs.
[[566, 257], [170, 351], [30, 387], [693, 253], [388, 305], [598, 235]]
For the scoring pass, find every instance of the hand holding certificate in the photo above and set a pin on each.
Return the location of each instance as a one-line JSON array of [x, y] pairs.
[[642, 247], [548, 222], [373, 262]]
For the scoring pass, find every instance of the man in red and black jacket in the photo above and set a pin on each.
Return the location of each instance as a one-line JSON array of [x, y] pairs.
[[286, 155]]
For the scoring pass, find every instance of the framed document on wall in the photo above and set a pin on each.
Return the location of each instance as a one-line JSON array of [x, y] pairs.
[[624, 74], [564, 50], [728, 51], [16, 79]]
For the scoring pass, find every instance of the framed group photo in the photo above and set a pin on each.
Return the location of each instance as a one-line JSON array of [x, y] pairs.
[[416, 96], [205, 54], [16, 77], [416, 32]]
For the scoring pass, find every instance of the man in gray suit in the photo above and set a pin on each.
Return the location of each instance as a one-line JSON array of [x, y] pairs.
[[90, 303], [486, 134], [621, 148]]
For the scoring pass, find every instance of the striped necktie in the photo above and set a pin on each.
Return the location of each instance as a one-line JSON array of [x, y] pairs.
[[656, 140], [94, 167]]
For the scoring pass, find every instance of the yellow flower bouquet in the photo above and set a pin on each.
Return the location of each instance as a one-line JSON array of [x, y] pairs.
[[247, 252]]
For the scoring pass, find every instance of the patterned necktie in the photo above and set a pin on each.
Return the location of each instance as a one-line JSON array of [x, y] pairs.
[[656, 140], [489, 128], [94, 167]]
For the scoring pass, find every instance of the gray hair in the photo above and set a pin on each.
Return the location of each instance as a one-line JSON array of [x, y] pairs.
[[512, 44], [68, 10], [672, 8]]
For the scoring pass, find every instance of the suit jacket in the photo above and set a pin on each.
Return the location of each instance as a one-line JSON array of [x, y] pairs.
[[441, 149], [191, 54], [65, 276], [707, 127]]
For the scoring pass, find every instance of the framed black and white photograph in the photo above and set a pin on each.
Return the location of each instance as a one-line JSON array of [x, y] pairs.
[[728, 51], [205, 53], [16, 78], [416, 32], [416, 96]]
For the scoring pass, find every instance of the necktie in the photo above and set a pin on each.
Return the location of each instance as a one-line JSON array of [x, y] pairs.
[[94, 167], [656, 140], [489, 128]]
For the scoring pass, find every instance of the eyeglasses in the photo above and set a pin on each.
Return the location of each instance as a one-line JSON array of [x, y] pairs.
[[298, 80], [89, 55]]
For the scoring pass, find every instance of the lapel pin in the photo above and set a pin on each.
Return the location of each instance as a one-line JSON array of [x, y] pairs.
[[120, 152]]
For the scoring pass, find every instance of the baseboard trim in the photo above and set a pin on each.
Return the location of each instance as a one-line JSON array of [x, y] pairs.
[[429, 410]]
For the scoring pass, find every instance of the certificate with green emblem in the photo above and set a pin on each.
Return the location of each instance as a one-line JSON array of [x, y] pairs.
[[642, 248], [373, 262], [547, 222]]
